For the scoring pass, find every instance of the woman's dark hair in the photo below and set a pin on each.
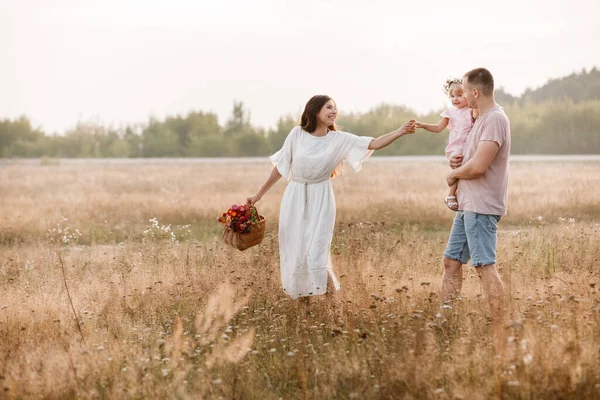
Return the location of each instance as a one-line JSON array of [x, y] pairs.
[[308, 121]]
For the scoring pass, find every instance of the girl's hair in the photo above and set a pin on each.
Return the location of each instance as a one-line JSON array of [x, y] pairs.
[[308, 121], [450, 83]]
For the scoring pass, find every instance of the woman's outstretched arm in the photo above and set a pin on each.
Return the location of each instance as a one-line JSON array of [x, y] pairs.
[[384, 140], [271, 180]]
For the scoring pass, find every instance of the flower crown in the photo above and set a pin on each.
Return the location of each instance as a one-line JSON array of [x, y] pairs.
[[449, 83]]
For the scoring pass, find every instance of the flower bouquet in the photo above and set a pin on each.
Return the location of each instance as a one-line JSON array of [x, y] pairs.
[[244, 227]]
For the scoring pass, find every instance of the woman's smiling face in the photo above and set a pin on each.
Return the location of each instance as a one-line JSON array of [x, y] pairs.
[[328, 114]]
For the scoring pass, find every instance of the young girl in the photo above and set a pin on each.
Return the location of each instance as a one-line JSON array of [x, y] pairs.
[[459, 120]]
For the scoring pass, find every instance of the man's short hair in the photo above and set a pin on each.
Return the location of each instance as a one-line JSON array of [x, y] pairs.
[[482, 79]]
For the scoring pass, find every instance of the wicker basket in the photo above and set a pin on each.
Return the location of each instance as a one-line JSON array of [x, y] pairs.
[[243, 241]]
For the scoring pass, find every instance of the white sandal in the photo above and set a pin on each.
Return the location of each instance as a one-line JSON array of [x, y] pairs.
[[451, 203]]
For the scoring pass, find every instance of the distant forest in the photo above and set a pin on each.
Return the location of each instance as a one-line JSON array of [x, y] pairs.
[[561, 117]]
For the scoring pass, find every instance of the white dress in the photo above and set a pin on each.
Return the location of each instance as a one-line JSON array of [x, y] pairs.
[[307, 214]]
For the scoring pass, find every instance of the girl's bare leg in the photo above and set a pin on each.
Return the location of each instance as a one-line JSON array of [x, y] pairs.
[[452, 190], [451, 200]]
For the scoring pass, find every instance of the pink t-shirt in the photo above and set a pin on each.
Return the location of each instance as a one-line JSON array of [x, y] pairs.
[[487, 194], [460, 124]]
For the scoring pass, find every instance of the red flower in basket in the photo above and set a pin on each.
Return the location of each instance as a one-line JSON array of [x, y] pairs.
[[244, 228], [241, 218]]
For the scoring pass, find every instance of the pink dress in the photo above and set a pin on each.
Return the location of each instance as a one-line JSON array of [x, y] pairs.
[[460, 124]]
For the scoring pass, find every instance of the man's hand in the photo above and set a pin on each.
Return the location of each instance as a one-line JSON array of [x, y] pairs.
[[456, 161], [450, 179]]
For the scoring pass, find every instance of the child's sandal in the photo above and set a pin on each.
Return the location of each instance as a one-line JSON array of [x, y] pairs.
[[451, 203]]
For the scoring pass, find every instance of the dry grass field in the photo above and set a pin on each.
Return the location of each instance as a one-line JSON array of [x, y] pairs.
[[114, 284]]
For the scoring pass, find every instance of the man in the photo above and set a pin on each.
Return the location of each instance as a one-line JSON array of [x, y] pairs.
[[482, 175]]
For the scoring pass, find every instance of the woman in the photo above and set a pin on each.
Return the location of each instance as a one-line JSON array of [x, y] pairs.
[[311, 155]]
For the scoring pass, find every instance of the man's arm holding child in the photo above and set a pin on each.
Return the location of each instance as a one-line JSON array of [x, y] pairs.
[[476, 166]]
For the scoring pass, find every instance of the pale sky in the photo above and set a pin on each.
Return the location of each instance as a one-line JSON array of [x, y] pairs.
[[120, 61]]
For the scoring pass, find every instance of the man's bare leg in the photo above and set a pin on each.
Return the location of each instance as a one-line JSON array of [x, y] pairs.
[[451, 280], [494, 290]]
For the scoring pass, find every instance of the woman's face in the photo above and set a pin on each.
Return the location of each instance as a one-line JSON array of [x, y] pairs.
[[328, 114]]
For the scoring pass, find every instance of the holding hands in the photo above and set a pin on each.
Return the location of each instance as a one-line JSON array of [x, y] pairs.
[[384, 140], [409, 127]]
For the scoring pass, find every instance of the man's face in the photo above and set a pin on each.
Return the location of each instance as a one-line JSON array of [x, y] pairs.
[[470, 93]]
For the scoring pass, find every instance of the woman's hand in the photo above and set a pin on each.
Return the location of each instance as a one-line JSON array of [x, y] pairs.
[[253, 199], [273, 177], [384, 140], [418, 125], [408, 127]]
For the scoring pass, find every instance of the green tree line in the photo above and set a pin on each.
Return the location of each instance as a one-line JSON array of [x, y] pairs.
[[562, 117]]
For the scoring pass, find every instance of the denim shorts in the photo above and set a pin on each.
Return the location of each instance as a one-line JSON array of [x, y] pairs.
[[473, 236]]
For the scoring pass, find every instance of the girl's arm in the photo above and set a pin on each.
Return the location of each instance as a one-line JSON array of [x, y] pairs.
[[271, 180], [435, 128], [384, 140]]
